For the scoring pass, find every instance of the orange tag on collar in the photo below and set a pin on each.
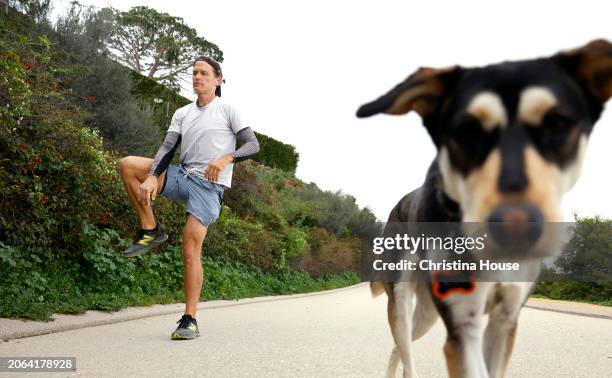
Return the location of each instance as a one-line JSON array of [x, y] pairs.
[[446, 283]]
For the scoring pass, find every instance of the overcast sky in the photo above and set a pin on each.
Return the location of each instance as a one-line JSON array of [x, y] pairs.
[[298, 70]]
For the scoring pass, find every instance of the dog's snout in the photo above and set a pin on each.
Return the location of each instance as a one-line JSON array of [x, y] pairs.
[[513, 184], [516, 225], [512, 178]]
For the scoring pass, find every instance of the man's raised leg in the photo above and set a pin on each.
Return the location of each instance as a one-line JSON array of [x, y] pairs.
[[134, 171]]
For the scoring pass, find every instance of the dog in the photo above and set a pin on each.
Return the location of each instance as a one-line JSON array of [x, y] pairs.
[[510, 140]]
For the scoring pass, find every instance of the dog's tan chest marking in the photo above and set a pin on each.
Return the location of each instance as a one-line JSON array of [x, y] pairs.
[[488, 108], [534, 103]]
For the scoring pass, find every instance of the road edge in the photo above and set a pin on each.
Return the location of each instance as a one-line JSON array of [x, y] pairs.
[[13, 329]]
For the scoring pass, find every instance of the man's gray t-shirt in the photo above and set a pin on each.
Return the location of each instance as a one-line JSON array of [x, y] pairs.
[[207, 133]]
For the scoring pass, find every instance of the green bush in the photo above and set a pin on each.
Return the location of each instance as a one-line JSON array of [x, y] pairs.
[[584, 269], [276, 154], [35, 284], [594, 292], [53, 168]]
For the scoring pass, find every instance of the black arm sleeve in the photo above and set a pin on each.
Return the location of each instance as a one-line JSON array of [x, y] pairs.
[[249, 147], [163, 157]]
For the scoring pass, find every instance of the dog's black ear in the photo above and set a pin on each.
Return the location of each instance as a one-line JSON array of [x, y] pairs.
[[422, 92], [591, 66]]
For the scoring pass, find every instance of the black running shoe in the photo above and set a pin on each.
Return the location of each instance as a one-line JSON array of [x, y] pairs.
[[187, 329], [145, 241]]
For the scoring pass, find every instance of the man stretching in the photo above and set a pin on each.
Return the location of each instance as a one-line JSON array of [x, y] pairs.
[[207, 130]]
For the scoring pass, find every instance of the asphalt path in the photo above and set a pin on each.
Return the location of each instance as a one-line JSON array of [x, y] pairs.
[[341, 333]]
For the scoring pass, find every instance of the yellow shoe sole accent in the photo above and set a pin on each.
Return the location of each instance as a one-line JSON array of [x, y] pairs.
[[176, 336]]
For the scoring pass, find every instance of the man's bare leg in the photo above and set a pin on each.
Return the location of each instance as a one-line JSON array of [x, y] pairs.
[[193, 238], [134, 170]]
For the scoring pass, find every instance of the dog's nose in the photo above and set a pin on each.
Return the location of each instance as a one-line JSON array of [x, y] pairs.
[[516, 226]]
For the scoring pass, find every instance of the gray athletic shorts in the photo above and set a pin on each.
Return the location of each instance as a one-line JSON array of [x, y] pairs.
[[203, 198]]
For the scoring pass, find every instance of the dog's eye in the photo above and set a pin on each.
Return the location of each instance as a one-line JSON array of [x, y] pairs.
[[556, 136], [554, 129], [468, 131], [465, 129], [468, 142], [557, 122]]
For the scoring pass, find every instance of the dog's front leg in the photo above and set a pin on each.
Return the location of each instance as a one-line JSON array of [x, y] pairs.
[[399, 311], [506, 305], [463, 315]]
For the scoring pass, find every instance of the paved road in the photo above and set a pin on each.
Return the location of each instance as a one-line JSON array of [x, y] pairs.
[[343, 333]]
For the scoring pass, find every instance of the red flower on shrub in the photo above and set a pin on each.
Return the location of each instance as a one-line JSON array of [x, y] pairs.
[[6, 205], [104, 219], [44, 199], [27, 66], [22, 147], [36, 160], [90, 99]]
